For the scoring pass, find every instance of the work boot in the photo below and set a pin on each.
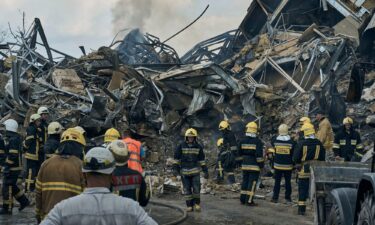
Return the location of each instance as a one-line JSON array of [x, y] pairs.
[[274, 200], [288, 201], [301, 210], [31, 198], [5, 211], [24, 205], [197, 208], [189, 209], [252, 204]]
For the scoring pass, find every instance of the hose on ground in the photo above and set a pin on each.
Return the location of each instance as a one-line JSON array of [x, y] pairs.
[[178, 208]]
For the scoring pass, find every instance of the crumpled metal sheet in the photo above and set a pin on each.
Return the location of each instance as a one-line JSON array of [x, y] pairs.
[[200, 98]]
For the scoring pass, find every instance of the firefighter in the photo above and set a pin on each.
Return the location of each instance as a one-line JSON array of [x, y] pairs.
[[54, 132], [97, 205], [33, 154], [12, 168], [251, 150], [307, 150], [43, 133], [325, 134], [89, 144], [348, 143], [60, 177], [111, 135], [283, 147], [127, 182], [229, 145], [225, 163], [302, 121], [189, 161], [136, 153]]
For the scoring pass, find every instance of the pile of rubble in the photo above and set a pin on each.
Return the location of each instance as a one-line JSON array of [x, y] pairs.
[[287, 59]]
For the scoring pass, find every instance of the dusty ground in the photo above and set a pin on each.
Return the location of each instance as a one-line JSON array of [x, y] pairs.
[[219, 208]]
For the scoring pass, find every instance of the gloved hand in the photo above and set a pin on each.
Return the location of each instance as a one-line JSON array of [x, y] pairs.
[[205, 175]]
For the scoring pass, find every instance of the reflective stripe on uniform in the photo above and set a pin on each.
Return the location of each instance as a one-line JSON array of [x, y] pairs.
[[13, 151], [31, 156], [335, 145], [250, 167], [60, 186], [248, 147], [282, 166], [301, 203]]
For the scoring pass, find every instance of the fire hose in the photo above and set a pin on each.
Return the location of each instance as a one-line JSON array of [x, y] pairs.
[[178, 208]]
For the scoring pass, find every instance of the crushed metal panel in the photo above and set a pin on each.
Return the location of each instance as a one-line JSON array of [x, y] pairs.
[[199, 100], [68, 80]]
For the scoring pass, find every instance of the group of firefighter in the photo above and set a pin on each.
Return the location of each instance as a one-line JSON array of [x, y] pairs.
[[56, 160], [60, 163], [287, 153]]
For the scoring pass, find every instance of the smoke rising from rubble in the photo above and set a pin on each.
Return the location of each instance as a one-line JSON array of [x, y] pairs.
[[163, 18]]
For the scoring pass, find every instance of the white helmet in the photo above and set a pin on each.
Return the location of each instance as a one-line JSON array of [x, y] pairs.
[[43, 110], [11, 125], [80, 130], [120, 151], [34, 117], [55, 128], [99, 160]]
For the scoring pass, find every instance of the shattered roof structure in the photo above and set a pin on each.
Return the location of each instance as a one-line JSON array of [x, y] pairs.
[[288, 58]]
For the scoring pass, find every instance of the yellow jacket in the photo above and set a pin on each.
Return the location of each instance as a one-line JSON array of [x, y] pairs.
[[325, 134]]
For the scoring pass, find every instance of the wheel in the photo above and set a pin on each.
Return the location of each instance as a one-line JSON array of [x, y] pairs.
[[334, 217], [367, 214]]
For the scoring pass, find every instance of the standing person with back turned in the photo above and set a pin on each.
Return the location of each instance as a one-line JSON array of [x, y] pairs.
[[135, 150], [283, 162], [189, 160], [97, 205], [251, 150], [52, 144], [307, 150], [60, 177], [127, 182], [12, 168], [325, 135], [230, 147]]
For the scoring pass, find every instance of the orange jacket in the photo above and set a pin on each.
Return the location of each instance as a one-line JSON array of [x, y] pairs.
[[134, 148]]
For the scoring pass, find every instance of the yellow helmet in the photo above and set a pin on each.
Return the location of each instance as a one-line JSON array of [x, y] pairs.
[[220, 142], [111, 135], [55, 128], [251, 127], [73, 134], [191, 132], [304, 120], [224, 125], [283, 129], [347, 120], [308, 129]]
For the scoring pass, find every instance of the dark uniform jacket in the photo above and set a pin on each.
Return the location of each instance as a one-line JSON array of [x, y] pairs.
[[32, 143], [283, 153], [229, 141], [13, 152], [130, 184], [51, 145], [251, 150], [347, 145], [43, 132], [308, 150], [189, 159], [2, 151]]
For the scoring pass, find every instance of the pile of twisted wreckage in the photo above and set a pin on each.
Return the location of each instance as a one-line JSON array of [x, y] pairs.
[[288, 58]]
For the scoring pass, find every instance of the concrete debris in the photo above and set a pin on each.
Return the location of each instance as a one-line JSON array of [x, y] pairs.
[[286, 60]]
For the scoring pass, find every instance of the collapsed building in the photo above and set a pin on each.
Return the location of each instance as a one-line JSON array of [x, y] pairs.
[[287, 59]]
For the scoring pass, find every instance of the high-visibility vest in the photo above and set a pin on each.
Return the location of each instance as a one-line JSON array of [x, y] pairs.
[[134, 148]]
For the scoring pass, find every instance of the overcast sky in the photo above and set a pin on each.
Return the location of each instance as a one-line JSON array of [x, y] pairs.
[[93, 23]]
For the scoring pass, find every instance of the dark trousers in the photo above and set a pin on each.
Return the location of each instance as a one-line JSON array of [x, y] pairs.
[[10, 190], [192, 189], [32, 169], [249, 183], [229, 171], [279, 174], [303, 192]]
